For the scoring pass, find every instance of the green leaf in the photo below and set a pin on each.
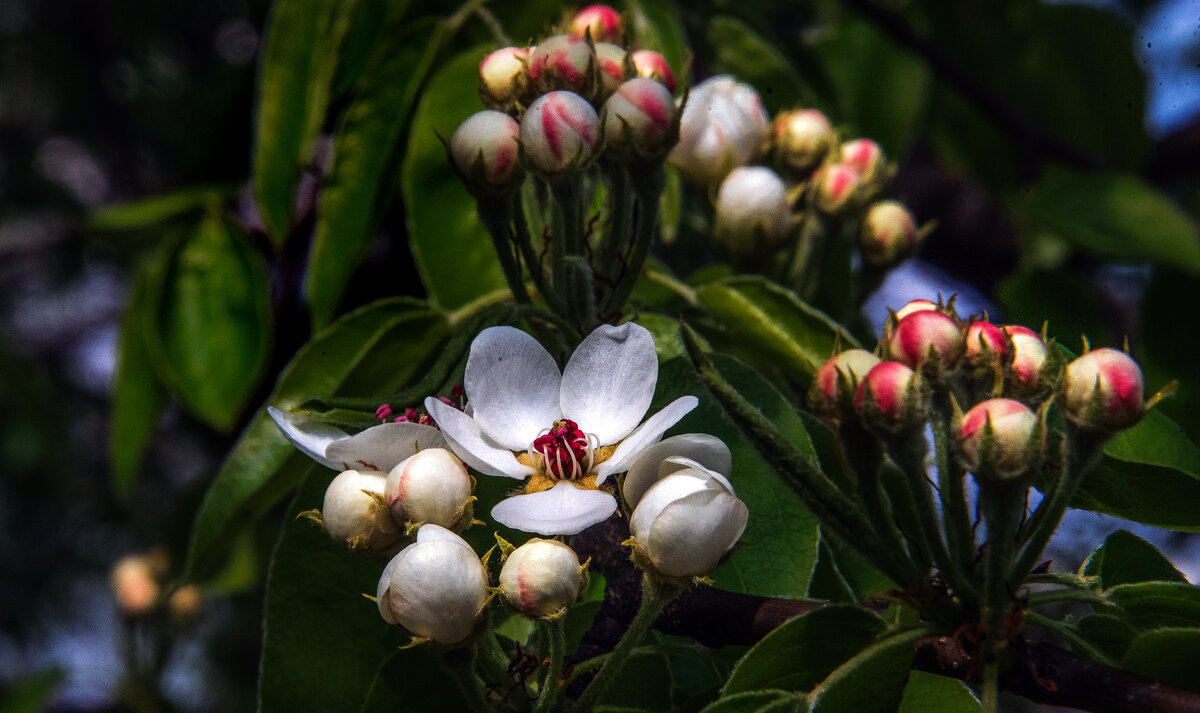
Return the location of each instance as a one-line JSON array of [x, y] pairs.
[[1107, 632], [1068, 303], [759, 702], [656, 25], [1116, 216], [370, 352], [138, 395], [930, 693], [770, 326], [871, 682], [452, 249], [1125, 558], [149, 212], [697, 672], [31, 693], [355, 192], [806, 650], [1158, 604], [295, 78], [414, 680], [778, 551], [1171, 656], [323, 640], [665, 331], [647, 683], [207, 327], [744, 53]]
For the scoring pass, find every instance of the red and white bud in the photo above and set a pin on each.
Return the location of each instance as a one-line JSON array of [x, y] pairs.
[[1102, 390], [354, 514], [485, 152], [611, 65], [652, 65], [686, 522], [541, 577], [888, 395], [1029, 355], [985, 343], [601, 21], [564, 62], [923, 333], [801, 139], [431, 486], [836, 381], [504, 81], [752, 211], [723, 126], [917, 306], [559, 133], [865, 157], [888, 234], [135, 585], [836, 188], [995, 438], [435, 587], [638, 120]]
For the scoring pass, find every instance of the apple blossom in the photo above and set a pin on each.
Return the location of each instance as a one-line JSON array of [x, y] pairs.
[[353, 512], [638, 120], [865, 157], [985, 343], [752, 211], [541, 577], [917, 306], [432, 486], [1103, 390], [670, 455], [995, 438], [723, 126], [559, 133]]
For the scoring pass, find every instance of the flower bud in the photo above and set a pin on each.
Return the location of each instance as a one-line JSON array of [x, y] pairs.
[[601, 21], [564, 62], [1102, 390], [485, 152], [541, 577], [922, 333], [354, 514], [917, 306], [559, 133], [888, 396], [638, 120], [888, 235], [184, 603], [985, 344], [836, 381], [865, 157], [1029, 356], [686, 522], [652, 65], [435, 587], [723, 126], [135, 585], [504, 81], [837, 188], [429, 487], [995, 438], [801, 138], [611, 63], [752, 211]]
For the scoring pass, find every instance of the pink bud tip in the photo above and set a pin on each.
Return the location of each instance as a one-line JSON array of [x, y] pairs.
[[890, 383], [602, 21], [920, 332], [984, 341], [653, 65]]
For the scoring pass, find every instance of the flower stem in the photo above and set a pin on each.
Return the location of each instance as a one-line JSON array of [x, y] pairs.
[[648, 185], [620, 207], [496, 215], [460, 663], [960, 536], [552, 631], [990, 695], [524, 243]]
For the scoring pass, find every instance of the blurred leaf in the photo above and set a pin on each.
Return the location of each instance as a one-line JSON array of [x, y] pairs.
[[323, 640], [1158, 604], [804, 651], [452, 249], [138, 396], [759, 702], [1171, 656], [1116, 216], [207, 326], [367, 137], [1125, 558], [665, 331], [930, 693], [697, 672], [656, 25], [778, 551], [1107, 632], [827, 583], [1058, 297], [578, 622], [1170, 341], [671, 205], [31, 693], [871, 682], [644, 684], [770, 326], [149, 212], [369, 352], [750, 57], [295, 78], [414, 680]]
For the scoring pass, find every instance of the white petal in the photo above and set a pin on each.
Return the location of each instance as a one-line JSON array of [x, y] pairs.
[[693, 533], [467, 441], [512, 382], [653, 464], [382, 447], [311, 437], [437, 533], [664, 492], [686, 466], [608, 382], [645, 436], [561, 510], [438, 590]]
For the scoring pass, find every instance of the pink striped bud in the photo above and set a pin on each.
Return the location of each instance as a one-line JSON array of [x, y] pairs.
[[541, 578], [559, 133], [652, 65], [504, 79], [564, 62], [611, 61], [836, 381], [888, 234], [865, 157], [923, 333], [887, 396], [601, 21], [995, 438], [1029, 355], [1102, 390], [638, 120], [985, 343], [801, 139], [485, 152], [837, 186]]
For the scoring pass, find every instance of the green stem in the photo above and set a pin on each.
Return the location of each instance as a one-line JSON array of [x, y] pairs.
[[525, 246], [460, 663], [1056, 596], [648, 185], [620, 213], [990, 695], [960, 536], [553, 633], [655, 596], [1077, 642], [496, 214], [1002, 504], [806, 256], [495, 663], [570, 255]]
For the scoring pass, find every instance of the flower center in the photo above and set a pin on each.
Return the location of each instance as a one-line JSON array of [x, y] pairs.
[[563, 452]]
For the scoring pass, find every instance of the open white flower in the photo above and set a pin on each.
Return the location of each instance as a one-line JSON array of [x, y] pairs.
[[377, 448], [571, 430]]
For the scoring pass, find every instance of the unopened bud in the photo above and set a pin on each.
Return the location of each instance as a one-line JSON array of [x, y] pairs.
[[995, 438], [837, 188], [601, 21], [801, 139], [638, 120], [611, 61], [184, 603], [135, 585], [723, 126], [652, 65], [752, 211], [559, 133], [504, 82], [431, 486], [1029, 356], [541, 577], [1102, 390], [865, 157], [564, 62], [985, 344], [889, 234], [888, 396], [917, 306], [354, 514], [836, 381], [925, 333], [485, 151]]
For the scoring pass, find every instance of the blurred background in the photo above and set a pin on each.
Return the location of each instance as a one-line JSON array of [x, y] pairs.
[[105, 102]]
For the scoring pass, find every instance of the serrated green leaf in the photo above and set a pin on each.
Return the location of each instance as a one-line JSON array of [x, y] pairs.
[[1125, 558], [414, 680], [1158, 604], [1171, 656], [930, 693], [871, 682], [452, 249], [744, 53], [656, 25]]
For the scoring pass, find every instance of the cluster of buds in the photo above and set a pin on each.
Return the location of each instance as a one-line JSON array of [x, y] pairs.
[[138, 584]]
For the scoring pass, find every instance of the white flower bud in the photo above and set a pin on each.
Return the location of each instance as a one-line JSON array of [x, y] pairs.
[[504, 79], [559, 133], [354, 516], [652, 65], [611, 62], [752, 210], [1102, 390], [1007, 426], [801, 139], [429, 487], [688, 521], [723, 126], [541, 577], [564, 62], [435, 588], [485, 152]]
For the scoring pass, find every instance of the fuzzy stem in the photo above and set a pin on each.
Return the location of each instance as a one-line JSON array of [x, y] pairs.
[[648, 185], [620, 213], [460, 663], [990, 694], [960, 536], [496, 214], [524, 243], [551, 689]]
